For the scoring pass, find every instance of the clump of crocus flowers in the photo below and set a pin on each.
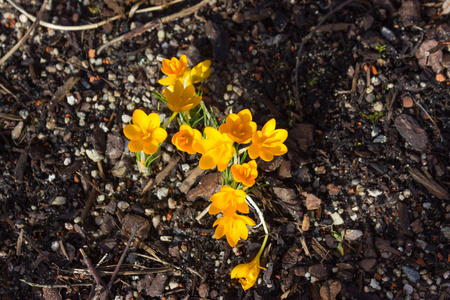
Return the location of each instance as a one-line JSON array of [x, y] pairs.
[[225, 147]]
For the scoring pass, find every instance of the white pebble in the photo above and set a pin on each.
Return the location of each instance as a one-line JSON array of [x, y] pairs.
[[15, 133], [60, 200], [71, 99], [55, 246]]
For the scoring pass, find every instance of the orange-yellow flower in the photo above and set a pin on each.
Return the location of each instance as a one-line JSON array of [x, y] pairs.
[[174, 69], [228, 200], [268, 142], [146, 133], [239, 127], [234, 226], [182, 98], [217, 150], [248, 273], [185, 138], [245, 173]]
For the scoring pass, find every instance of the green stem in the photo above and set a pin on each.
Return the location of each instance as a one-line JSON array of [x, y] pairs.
[[170, 120], [266, 237]]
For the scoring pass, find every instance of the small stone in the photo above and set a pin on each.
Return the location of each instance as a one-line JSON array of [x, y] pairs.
[[407, 102], [131, 78], [408, 289], [130, 221], [412, 274], [172, 203], [353, 234], [121, 169], [94, 155], [126, 119], [16, 132], [203, 290], [367, 264], [360, 191], [161, 193], [166, 238], [337, 219], [380, 139], [388, 34], [238, 18], [173, 285], [23, 18], [55, 246], [378, 106], [123, 205], [446, 232], [161, 35], [156, 220], [375, 131], [60, 200], [374, 284], [23, 113], [312, 202]]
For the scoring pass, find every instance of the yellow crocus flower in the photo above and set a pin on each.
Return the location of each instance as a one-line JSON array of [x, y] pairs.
[[245, 173], [229, 200], [145, 133], [182, 98], [268, 142], [217, 150], [234, 226], [185, 138], [248, 273], [239, 127]]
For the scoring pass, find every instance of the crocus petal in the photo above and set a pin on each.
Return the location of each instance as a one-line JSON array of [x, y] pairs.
[[232, 237], [265, 155], [220, 231], [132, 132], [153, 122], [269, 127], [206, 162], [241, 270], [160, 134], [136, 146], [253, 151], [150, 147], [245, 115], [140, 119]]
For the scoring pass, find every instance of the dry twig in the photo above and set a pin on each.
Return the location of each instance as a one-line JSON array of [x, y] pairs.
[[88, 26], [153, 24]]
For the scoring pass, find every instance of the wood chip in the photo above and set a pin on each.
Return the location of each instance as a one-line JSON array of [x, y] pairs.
[[431, 185], [191, 179]]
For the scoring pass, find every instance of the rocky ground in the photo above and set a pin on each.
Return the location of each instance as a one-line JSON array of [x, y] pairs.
[[357, 209]]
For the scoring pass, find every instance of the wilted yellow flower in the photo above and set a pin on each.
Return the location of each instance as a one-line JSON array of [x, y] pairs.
[[181, 99], [146, 133], [217, 150], [174, 69], [245, 173], [268, 142], [248, 273], [185, 138], [228, 200], [234, 226], [239, 127]]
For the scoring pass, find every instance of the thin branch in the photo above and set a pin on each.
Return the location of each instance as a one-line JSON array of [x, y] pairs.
[[88, 26], [25, 37], [152, 24], [91, 268], [107, 289], [54, 286]]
